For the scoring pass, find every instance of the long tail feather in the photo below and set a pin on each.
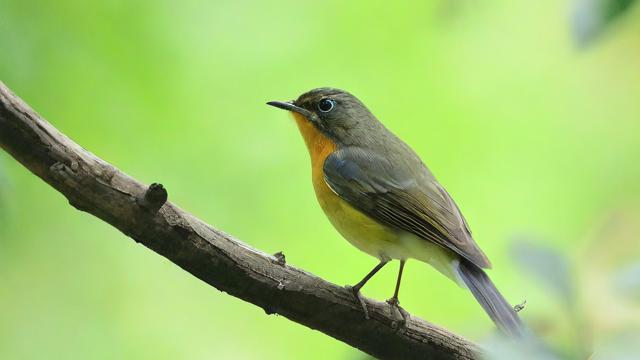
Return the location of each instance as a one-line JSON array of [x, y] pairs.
[[495, 305]]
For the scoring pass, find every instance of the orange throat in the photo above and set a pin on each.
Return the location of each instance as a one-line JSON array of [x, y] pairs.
[[318, 144]]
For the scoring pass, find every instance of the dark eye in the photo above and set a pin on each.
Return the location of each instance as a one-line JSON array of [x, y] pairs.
[[326, 105]]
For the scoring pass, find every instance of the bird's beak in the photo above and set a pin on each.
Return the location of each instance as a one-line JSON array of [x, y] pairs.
[[290, 106]]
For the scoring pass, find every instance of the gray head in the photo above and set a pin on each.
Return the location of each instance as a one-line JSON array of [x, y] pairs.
[[336, 113]]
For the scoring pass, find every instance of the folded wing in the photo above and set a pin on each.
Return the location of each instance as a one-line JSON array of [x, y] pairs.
[[403, 196]]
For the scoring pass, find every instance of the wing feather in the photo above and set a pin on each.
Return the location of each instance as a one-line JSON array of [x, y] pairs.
[[403, 197]]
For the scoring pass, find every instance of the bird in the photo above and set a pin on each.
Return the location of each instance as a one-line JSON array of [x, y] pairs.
[[382, 198]]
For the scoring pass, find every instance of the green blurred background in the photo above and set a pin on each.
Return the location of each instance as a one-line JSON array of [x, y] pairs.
[[530, 130]]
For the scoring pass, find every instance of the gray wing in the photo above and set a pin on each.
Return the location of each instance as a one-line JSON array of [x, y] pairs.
[[402, 194]]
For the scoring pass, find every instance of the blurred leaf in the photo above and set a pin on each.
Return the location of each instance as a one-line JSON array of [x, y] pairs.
[[620, 346], [501, 348], [548, 266], [591, 18], [610, 282], [626, 281]]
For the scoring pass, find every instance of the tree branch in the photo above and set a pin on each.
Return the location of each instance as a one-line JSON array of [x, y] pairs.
[[142, 213]]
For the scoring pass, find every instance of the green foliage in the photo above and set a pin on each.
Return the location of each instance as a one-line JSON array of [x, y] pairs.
[[526, 134], [596, 292], [592, 18]]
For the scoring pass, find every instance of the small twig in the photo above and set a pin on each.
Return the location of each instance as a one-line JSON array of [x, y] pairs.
[[279, 258], [153, 199]]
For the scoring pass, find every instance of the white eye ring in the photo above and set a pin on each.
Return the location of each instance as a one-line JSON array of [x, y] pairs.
[[326, 105]]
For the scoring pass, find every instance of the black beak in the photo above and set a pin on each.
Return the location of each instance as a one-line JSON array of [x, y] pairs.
[[289, 106]]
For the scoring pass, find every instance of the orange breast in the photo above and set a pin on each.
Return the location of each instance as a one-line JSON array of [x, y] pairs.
[[319, 147]]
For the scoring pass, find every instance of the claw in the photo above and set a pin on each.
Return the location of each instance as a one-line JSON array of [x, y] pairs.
[[404, 315], [359, 299]]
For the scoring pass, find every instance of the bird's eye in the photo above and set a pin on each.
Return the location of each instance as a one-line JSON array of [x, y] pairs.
[[326, 105]]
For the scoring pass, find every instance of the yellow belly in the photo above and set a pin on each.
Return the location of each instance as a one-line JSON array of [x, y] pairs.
[[379, 240], [359, 229]]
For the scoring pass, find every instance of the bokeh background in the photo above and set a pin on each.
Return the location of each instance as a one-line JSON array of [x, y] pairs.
[[528, 112]]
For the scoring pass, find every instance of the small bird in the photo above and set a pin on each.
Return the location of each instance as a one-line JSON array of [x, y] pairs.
[[381, 197]]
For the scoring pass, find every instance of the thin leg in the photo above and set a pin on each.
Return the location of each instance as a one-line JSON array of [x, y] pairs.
[[356, 288], [394, 302], [368, 277], [394, 299]]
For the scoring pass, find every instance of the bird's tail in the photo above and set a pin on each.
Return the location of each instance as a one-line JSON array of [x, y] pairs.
[[495, 305]]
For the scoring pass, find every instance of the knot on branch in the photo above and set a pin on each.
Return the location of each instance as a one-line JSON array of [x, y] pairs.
[[155, 196], [279, 258]]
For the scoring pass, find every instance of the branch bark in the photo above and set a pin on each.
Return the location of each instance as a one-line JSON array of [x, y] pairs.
[[142, 213]]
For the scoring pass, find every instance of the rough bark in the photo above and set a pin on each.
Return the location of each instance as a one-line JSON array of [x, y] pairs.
[[144, 214]]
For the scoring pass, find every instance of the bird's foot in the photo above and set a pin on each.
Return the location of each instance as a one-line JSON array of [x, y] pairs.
[[356, 294], [398, 310]]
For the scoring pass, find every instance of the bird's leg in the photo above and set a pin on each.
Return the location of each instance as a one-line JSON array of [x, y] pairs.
[[394, 302], [355, 289]]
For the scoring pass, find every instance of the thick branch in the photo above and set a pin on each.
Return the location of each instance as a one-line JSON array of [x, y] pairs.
[[142, 213]]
